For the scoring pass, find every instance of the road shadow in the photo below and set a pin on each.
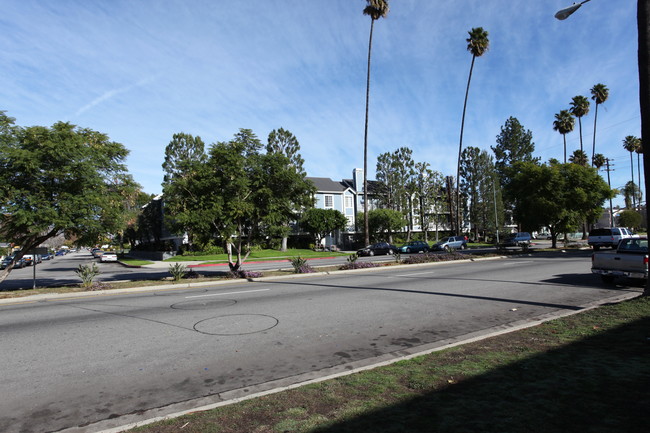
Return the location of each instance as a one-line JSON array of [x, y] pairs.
[[599, 384]]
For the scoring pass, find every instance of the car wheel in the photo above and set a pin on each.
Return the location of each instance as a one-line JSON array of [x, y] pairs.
[[464, 246], [390, 252], [371, 253], [596, 248], [408, 251], [607, 279], [447, 249]]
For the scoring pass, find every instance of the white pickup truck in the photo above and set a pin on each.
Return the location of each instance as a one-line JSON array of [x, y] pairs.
[[629, 260], [608, 237]]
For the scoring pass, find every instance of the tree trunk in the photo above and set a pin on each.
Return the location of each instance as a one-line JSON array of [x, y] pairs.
[[593, 147], [460, 149], [365, 145], [643, 11]]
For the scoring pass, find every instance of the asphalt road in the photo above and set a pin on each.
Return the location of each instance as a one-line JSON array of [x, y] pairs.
[[107, 360]]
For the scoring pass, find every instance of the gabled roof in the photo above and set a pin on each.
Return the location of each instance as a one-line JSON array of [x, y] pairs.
[[325, 184]]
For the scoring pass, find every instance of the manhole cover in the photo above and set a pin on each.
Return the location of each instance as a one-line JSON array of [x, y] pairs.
[[236, 324], [204, 304]]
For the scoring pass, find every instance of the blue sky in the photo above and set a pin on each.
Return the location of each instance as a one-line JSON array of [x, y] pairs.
[[141, 71]]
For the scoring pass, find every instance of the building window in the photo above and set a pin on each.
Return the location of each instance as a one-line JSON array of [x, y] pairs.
[[348, 202], [329, 201]]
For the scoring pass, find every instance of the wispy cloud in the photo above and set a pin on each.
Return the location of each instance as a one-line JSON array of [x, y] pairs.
[[106, 96]]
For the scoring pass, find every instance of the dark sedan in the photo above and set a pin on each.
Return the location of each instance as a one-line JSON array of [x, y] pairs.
[[378, 249]]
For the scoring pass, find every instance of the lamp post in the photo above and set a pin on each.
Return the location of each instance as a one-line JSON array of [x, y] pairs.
[[643, 24], [566, 12]]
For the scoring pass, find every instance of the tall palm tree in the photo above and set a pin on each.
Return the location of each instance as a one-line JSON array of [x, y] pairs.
[[579, 108], [564, 123], [477, 44], [598, 160], [630, 143], [375, 9], [579, 157], [599, 94]]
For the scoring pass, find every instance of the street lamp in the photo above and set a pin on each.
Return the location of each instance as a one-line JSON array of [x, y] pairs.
[[566, 12], [643, 25]]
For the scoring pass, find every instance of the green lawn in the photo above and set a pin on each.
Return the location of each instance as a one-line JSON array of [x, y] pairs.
[[589, 372], [258, 255]]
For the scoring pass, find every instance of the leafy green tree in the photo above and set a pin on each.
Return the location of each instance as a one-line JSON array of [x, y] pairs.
[[375, 9], [321, 222], [384, 222], [285, 143], [60, 180], [394, 172], [599, 94], [580, 108], [184, 157], [630, 218], [229, 189], [477, 44], [479, 185], [428, 190], [564, 123], [514, 143], [558, 196], [281, 190]]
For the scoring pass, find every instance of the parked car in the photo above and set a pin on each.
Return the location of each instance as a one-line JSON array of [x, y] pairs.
[[96, 252], [31, 259], [60, 253], [378, 249], [630, 260], [415, 247], [450, 243], [20, 263], [608, 237], [517, 239], [108, 256], [47, 256], [543, 235]]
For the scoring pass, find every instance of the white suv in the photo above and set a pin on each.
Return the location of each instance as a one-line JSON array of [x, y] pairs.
[[608, 237]]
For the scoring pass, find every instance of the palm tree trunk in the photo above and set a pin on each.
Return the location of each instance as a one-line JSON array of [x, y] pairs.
[[632, 171], [580, 126], [593, 148], [564, 137], [638, 175], [643, 24], [460, 149], [366, 228]]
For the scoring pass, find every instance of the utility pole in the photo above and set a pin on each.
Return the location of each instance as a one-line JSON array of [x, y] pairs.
[[609, 183]]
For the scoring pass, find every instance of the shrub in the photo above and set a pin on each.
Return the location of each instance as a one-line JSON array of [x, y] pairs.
[[244, 274], [177, 270], [428, 258], [87, 273], [300, 266], [358, 265]]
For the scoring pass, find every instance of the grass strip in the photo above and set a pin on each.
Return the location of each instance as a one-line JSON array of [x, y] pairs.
[[259, 255], [589, 372]]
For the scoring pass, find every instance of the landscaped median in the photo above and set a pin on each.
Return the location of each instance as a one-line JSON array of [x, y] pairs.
[[586, 372]]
